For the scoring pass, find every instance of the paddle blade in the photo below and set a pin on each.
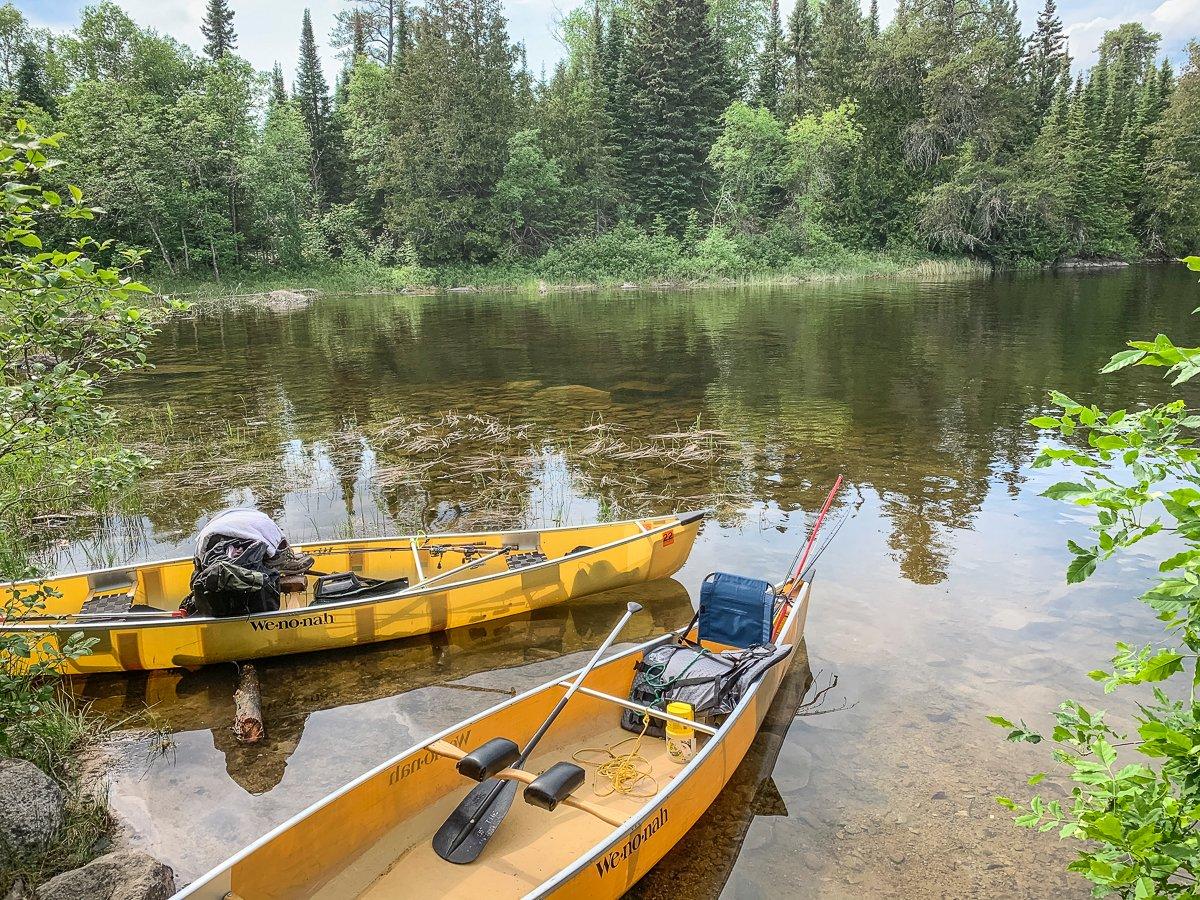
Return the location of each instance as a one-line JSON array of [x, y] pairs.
[[463, 835]]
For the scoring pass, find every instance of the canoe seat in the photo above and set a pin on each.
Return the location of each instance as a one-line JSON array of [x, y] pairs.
[[554, 785], [488, 758], [524, 560], [736, 610], [108, 600]]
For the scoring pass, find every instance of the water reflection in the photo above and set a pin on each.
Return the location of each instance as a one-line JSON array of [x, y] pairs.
[[943, 600], [296, 687]]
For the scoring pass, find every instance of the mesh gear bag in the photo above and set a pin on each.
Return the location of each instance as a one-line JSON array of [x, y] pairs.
[[712, 683]]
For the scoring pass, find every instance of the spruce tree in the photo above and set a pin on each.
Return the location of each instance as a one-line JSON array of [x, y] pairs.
[[771, 64], [31, 83], [681, 88], [1046, 59], [799, 56], [839, 48], [217, 29], [311, 90], [278, 89]]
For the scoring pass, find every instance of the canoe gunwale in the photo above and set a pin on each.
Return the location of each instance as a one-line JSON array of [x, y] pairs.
[[72, 624], [619, 833]]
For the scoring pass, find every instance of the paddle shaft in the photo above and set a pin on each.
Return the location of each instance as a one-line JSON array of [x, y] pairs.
[[472, 823], [558, 707]]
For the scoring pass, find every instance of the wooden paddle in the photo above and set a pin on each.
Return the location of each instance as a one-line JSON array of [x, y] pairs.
[[467, 830]]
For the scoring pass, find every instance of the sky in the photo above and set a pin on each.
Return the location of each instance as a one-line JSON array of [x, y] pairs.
[[269, 30]]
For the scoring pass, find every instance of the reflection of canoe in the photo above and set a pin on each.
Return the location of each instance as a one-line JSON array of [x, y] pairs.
[[507, 573], [384, 820], [295, 687]]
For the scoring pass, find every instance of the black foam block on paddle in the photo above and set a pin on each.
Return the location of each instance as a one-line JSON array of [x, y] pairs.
[[554, 785], [487, 759]]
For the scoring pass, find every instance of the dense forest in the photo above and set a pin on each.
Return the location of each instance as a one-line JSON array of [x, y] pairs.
[[702, 137]]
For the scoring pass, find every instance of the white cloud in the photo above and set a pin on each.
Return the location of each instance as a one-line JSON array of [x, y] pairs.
[[1175, 20], [267, 31]]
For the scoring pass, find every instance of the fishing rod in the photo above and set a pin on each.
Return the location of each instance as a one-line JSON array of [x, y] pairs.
[[794, 575]]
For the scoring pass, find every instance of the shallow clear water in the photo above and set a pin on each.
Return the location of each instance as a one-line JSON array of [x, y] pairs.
[[941, 600]]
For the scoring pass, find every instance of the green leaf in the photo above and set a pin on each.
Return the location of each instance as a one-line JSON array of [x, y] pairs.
[[1081, 568], [1123, 359], [1001, 721], [1036, 779], [1045, 422], [1067, 490]]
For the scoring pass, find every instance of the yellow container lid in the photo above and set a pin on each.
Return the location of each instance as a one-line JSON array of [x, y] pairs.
[[684, 711]]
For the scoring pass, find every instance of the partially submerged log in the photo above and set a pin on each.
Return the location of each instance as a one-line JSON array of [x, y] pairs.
[[247, 701]]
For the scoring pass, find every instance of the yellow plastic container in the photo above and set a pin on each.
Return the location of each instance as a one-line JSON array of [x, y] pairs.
[[681, 739]]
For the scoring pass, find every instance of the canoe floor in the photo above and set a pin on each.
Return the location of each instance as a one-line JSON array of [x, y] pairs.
[[530, 847]]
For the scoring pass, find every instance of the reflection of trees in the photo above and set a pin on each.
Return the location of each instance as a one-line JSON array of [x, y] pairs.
[[918, 391]]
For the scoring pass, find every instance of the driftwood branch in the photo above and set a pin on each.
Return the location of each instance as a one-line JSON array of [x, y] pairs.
[[247, 701]]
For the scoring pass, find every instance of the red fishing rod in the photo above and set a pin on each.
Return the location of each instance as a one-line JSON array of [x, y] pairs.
[[794, 573]]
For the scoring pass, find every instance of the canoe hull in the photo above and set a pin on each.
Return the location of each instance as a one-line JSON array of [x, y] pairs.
[[169, 643], [371, 814]]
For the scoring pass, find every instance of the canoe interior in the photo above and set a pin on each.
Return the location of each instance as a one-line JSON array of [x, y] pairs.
[[163, 585], [384, 847]]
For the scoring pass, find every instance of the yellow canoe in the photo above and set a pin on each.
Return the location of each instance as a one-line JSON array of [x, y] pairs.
[[508, 572], [372, 838]]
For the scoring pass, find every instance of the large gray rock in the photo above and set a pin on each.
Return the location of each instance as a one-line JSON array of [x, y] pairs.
[[31, 809], [125, 875]]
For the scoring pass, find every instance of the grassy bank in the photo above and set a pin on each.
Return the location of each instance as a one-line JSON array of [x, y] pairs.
[[555, 274]]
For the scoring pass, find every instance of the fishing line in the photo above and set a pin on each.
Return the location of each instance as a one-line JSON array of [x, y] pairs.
[[828, 540]]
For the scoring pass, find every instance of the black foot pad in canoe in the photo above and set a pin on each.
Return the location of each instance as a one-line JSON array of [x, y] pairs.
[[488, 758], [554, 785]]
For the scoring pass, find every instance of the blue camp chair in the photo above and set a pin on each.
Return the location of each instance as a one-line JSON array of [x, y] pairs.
[[736, 610]]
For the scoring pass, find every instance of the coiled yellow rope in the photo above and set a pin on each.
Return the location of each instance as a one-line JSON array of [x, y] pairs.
[[624, 771]]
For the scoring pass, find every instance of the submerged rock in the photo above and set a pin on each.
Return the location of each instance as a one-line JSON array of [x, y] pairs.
[[574, 393], [31, 809], [642, 387], [124, 875]]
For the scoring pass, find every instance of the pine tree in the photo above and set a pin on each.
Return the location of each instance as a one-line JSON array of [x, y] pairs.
[[358, 36], [839, 48], [873, 20], [771, 64], [311, 90], [681, 89], [31, 83], [1046, 59], [1173, 165], [217, 29], [278, 89]]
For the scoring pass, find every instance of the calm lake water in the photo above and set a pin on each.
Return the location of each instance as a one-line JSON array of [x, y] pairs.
[[941, 600]]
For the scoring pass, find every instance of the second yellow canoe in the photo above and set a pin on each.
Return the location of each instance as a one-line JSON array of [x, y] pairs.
[[507, 573]]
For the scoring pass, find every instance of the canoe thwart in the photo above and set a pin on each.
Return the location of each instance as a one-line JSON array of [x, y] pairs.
[[448, 750]]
